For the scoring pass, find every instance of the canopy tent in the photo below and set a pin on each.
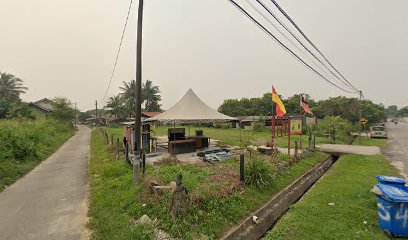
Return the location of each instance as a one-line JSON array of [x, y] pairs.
[[190, 108]]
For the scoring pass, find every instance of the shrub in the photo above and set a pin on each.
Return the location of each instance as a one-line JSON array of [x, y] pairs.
[[339, 129], [258, 172], [24, 143]]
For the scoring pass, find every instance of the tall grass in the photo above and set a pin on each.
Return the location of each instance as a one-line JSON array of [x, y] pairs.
[[24, 143]]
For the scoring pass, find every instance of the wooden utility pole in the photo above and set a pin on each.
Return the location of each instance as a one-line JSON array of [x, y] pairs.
[[76, 115], [96, 112], [360, 112], [138, 104]]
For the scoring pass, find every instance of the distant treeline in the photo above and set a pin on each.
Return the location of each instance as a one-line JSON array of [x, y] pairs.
[[395, 112], [347, 108]]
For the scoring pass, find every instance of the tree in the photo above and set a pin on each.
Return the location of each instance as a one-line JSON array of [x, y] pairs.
[[349, 108], [116, 106], [338, 128], [11, 105], [10, 86], [392, 110], [151, 96], [403, 112], [63, 109]]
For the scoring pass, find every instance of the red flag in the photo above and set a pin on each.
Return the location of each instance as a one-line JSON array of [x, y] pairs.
[[305, 106]]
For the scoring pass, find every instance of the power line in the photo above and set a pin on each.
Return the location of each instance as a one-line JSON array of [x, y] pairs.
[[311, 43], [284, 46], [283, 34], [118, 52], [341, 81]]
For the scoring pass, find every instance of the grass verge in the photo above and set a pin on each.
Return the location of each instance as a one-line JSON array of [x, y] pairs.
[[24, 144], [377, 142], [217, 201], [354, 213], [232, 136]]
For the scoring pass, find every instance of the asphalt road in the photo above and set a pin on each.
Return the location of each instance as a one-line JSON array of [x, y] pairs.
[[397, 148], [51, 201]]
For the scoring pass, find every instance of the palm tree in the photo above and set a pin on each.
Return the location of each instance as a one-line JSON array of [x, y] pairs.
[[129, 95], [10, 86], [115, 106], [151, 96]]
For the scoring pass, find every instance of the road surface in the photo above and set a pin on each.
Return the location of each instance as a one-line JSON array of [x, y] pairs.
[[397, 148], [51, 201], [348, 149]]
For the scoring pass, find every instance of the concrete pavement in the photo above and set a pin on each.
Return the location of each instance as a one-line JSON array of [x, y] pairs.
[[397, 147], [349, 149], [51, 201]]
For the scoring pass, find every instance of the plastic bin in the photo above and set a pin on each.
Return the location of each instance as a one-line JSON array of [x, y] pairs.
[[393, 209], [391, 180]]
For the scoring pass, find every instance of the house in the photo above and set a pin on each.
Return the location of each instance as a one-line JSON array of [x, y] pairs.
[[149, 114], [249, 122], [42, 108]]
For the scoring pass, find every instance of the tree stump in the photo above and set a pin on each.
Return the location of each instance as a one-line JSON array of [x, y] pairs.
[[179, 199]]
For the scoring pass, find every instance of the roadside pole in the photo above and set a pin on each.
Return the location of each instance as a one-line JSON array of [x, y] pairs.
[[96, 112], [360, 112], [76, 115], [138, 93]]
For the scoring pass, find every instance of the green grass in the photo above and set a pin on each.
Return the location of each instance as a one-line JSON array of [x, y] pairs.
[[214, 206], [354, 215], [24, 144], [377, 142], [233, 137]]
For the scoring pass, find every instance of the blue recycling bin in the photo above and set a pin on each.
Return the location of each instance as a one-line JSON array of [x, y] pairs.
[[393, 209], [391, 180]]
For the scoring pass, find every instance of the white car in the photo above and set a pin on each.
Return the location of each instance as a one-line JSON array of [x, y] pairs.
[[378, 132]]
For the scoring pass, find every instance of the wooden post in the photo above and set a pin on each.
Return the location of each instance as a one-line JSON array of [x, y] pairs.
[[127, 152], [118, 146], [295, 156], [288, 136], [144, 164], [314, 141], [241, 168]]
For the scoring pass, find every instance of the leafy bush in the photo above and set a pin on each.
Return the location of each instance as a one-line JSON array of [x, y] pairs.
[[258, 172], [24, 143], [338, 129]]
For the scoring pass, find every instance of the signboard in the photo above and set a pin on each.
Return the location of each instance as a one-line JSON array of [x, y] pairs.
[[363, 121], [296, 126]]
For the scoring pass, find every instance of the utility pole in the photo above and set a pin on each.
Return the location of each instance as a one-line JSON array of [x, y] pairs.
[[96, 112], [76, 115], [360, 111], [138, 104]]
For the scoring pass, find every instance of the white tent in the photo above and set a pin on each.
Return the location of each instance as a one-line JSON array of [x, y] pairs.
[[190, 108]]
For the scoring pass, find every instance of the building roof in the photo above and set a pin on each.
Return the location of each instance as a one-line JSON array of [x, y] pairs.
[[44, 104], [150, 114], [190, 108]]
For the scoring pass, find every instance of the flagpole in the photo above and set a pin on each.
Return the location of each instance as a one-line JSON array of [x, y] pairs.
[[272, 125], [303, 117]]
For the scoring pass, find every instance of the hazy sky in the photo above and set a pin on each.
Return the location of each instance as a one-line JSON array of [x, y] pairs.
[[67, 48]]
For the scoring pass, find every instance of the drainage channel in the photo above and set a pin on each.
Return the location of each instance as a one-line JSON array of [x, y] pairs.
[[269, 214]]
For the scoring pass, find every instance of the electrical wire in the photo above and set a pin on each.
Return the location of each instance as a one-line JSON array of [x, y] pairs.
[[339, 80], [311, 43], [284, 35], [284, 46], [118, 52]]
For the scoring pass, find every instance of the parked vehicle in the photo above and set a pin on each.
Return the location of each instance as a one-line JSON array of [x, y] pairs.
[[378, 132]]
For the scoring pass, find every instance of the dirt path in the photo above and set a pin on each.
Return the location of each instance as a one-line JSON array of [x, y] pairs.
[[51, 201]]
